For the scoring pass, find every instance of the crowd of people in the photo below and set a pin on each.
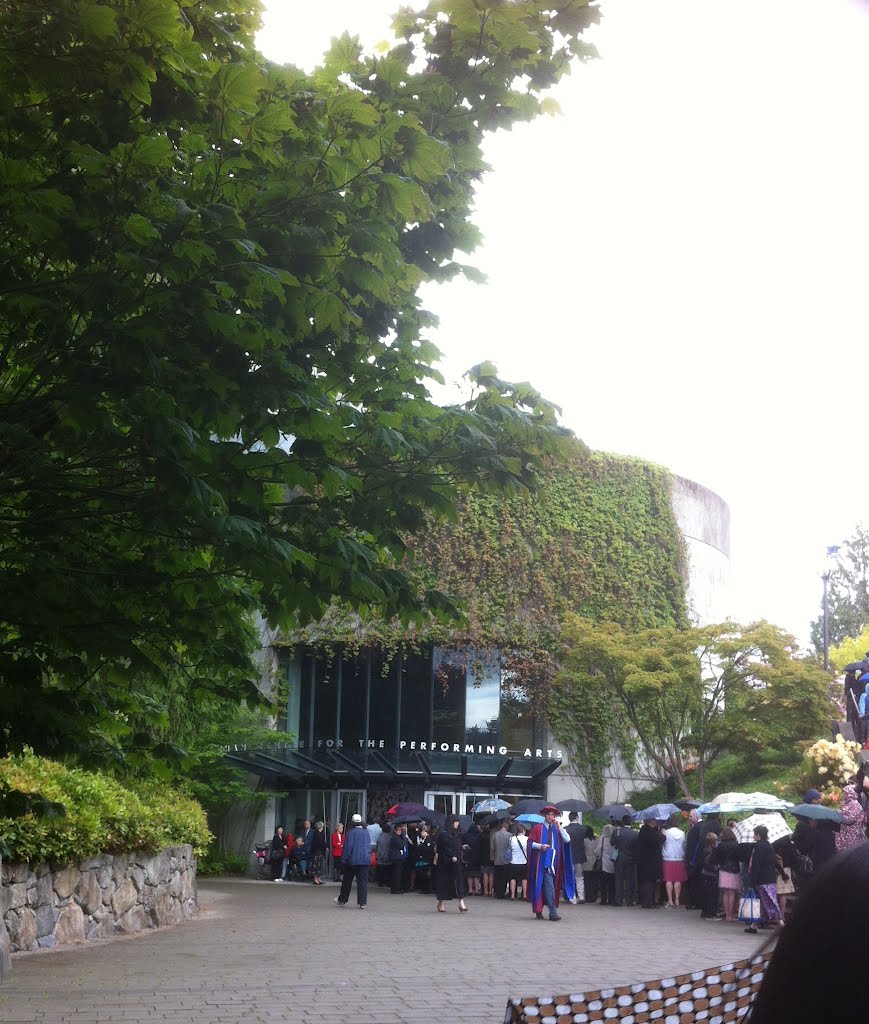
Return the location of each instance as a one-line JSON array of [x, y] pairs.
[[650, 864]]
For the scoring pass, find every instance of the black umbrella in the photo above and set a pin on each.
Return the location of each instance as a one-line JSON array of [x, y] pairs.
[[617, 811], [580, 806], [490, 819], [816, 811], [857, 666], [531, 805], [687, 805]]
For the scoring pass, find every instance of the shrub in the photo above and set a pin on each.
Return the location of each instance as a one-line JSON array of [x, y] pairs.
[[217, 862], [830, 764], [101, 815]]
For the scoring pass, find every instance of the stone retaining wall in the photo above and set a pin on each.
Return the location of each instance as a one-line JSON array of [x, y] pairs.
[[44, 906]]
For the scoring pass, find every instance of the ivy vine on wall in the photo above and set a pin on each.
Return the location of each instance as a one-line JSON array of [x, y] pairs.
[[599, 538]]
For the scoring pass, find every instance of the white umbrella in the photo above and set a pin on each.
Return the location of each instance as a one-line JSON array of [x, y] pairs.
[[766, 802], [775, 825]]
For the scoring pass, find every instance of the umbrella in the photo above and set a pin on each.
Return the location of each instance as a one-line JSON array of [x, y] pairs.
[[531, 805], [531, 819], [657, 812], [490, 819], [817, 811], [405, 819], [687, 805], [857, 666], [407, 808], [492, 804], [614, 811], [580, 806], [766, 802], [775, 823]]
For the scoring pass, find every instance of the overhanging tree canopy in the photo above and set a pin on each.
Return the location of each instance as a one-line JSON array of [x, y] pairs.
[[213, 359]]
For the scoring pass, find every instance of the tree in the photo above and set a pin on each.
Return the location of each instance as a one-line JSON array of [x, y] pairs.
[[847, 592], [213, 357], [851, 649], [676, 700]]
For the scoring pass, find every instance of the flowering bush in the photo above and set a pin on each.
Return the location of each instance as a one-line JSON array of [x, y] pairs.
[[833, 763]]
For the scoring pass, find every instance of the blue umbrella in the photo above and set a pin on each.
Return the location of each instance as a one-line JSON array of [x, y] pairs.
[[657, 812], [490, 805], [531, 819]]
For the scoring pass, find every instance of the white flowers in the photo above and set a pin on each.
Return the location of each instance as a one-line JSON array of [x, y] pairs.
[[837, 760]]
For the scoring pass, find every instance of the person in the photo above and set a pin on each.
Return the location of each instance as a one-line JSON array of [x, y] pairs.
[[550, 865], [817, 971], [383, 861], [500, 840], [425, 851], [317, 852], [674, 873], [591, 874], [277, 854], [473, 874], [337, 851], [762, 873], [298, 859], [607, 869], [693, 853], [577, 851], [624, 840], [824, 848], [519, 864], [709, 877], [484, 857], [729, 873], [711, 823], [785, 863], [356, 858], [449, 878], [399, 848], [650, 866], [307, 837], [811, 796], [851, 829]]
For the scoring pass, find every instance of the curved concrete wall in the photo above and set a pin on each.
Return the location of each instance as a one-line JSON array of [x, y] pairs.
[[704, 518]]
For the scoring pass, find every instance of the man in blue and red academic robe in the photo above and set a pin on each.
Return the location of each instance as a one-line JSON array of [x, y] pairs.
[[550, 865]]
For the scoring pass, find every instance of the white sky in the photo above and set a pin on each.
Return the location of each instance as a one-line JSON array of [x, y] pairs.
[[680, 260]]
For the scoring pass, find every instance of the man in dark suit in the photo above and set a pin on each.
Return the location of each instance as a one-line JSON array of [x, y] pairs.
[[624, 839]]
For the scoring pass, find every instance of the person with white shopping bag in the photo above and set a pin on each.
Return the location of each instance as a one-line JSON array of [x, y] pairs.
[[762, 873]]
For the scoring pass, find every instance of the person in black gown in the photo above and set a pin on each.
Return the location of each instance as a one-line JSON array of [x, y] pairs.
[[449, 876]]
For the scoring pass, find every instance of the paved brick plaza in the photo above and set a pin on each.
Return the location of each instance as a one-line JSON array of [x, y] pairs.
[[264, 952]]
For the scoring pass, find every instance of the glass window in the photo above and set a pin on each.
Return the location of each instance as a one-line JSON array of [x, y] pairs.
[[415, 697], [325, 703], [517, 717], [384, 702], [450, 691], [482, 704], [354, 672], [306, 682]]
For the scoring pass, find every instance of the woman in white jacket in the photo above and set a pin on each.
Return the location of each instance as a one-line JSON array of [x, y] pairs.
[[519, 864]]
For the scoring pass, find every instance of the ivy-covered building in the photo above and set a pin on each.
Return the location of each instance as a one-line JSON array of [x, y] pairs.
[[446, 714]]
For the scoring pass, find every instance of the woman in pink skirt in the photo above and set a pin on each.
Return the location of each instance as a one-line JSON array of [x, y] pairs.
[[675, 872], [729, 877]]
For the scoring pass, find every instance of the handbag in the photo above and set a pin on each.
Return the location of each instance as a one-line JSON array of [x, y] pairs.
[[614, 855], [749, 907]]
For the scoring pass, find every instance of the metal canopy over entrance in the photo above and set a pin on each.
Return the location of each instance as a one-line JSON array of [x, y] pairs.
[[310, 769]]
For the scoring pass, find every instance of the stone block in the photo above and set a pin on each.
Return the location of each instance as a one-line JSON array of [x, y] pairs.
[[134, 920], [176, 885], [88, 893], [46, 918], [5, 950], [70, 925], [164, 910], [44, 890], [91, 864], [66, 881], [137, 876], [32, 898], [20, 873], [125, 897], [46, 941], [21, 925], [104, 877], [14, 896], [158, 868]]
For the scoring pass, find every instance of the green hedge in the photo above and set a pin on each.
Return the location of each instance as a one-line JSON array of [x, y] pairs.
[[101, 815]]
